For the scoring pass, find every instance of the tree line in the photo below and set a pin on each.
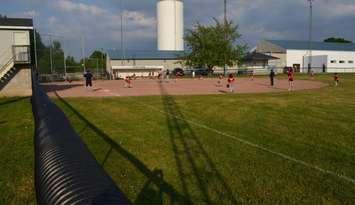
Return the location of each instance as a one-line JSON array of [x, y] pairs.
[[50, 59]]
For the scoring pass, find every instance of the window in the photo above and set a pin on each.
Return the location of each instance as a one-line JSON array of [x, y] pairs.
[[351, 62], [341, 61], [333, 61]]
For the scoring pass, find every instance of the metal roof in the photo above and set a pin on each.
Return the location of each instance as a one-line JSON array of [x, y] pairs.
[[16, 22], [259, 56], [304, 45], [144, 55]]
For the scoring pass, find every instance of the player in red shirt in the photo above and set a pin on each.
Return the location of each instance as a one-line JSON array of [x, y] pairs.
[[231, 80], [290, 79]]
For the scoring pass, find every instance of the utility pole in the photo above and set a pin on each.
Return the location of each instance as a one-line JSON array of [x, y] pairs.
[[65, 65], [51, 52], [102, 61], [97, 68], [122, 38], [225, 36], [310, 34], [225, 11], [83, 52]]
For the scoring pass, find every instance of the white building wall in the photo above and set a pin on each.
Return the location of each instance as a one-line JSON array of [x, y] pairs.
[[299, 56], [317, 61], [7, 41]]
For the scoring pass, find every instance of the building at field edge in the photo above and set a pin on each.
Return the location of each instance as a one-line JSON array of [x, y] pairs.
[[141, 63], [150, 63], [326, 57]]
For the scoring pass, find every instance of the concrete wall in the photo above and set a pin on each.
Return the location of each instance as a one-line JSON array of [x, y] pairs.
[[19, 85]]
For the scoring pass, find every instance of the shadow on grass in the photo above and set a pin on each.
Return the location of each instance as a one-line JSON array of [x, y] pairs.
[[12, 100], [195, 167], [60, 87], [149, 194]]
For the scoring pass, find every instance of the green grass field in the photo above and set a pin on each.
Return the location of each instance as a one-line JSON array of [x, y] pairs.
[[163, 149], [16, 151], [212, 149]]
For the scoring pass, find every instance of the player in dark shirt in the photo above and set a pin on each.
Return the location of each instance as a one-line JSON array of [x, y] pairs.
[[88, 78], [272, 76]]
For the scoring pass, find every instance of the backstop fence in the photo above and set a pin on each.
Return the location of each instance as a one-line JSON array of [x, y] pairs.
[[65, 170]]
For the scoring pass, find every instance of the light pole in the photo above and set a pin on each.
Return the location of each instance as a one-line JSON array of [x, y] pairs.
[[225, 35], [35, 42], [225, 11], [51, 52], [310, 35], [83, 52], [102, 61], [122, 37]]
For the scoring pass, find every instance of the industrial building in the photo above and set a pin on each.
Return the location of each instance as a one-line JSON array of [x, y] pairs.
[[324, 57], [145, 63], [141, 63], [16, 56]]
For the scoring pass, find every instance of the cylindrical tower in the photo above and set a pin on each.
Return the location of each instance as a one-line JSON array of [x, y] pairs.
[[170, 16]]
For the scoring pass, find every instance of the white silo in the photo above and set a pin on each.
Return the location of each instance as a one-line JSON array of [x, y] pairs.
[[170, 16]]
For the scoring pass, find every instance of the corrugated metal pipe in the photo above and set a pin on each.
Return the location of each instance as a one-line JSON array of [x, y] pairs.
[[65, 170]]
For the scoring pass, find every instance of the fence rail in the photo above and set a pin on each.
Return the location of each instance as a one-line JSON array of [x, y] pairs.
[[65, 170]]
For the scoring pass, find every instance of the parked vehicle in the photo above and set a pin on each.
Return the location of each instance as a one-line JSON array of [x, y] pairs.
[[286, 69], [178, 72], [201, 71], [243, 71]]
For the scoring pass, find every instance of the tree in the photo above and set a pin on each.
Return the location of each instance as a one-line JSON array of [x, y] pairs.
[[58, 57], [72, 65], [96, 60], [336, 40], [214, 45], [44, 58]]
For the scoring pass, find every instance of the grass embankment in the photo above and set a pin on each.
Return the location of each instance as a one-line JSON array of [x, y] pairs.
[[16, 151], [155, 150]]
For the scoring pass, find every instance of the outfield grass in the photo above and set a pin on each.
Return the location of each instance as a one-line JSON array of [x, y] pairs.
[[170, 149], [16, 151]]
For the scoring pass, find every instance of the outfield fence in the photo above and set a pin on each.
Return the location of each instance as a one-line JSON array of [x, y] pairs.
[[65, 170]]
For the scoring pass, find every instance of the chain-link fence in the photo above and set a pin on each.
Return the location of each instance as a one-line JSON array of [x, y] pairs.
[[55, 62]]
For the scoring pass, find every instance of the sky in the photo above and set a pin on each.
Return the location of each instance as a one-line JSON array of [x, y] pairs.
[[98, 21]]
